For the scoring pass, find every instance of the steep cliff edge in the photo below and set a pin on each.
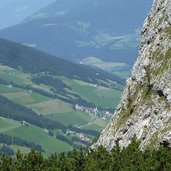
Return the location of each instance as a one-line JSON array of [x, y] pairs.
[[145, 107]]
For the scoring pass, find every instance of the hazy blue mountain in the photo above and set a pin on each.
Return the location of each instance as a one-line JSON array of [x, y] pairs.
[[80, 29], [14, 11]]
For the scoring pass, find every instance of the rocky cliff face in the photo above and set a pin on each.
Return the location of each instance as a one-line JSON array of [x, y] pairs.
[[145, 107]]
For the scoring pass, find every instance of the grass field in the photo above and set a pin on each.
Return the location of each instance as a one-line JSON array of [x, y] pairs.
[[53, 109], [5, 89], [100, 96], [108, 66], [60, 111], [20, 78], [98, 125], [23, 150], [3, 123], [39, 136], [8, 125], [25, 98], [71, 118], [10, 74], [51, 106], [80, 118], [120, 69], [21, 96]]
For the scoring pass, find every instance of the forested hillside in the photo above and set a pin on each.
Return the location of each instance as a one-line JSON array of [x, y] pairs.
[[65, 104], [33, 61]]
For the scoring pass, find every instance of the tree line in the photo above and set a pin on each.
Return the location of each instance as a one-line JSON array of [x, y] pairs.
[[57, 90], [9, 109], [131, 158], [11, 140]]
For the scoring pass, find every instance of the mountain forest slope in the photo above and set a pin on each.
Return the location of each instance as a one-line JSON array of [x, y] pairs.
[[63, 103], [80, 29]]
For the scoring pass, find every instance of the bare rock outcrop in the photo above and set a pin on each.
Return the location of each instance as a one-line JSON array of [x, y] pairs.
[[145, 107]]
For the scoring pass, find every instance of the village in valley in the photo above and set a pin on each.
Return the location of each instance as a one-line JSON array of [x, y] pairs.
[[94, 112]]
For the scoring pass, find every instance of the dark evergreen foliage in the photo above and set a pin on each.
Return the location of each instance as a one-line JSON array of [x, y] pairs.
[[50, 81], [6, 150], [127, 159]]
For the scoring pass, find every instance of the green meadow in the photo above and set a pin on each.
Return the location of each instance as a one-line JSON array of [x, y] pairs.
[[100, 96], [54, 109], [71, 118], [34, 134]]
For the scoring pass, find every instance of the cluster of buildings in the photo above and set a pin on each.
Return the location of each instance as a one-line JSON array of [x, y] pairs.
[[94, 112], [81, 136]]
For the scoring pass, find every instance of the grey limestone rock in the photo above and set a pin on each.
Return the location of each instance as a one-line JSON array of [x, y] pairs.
[[145, 107]]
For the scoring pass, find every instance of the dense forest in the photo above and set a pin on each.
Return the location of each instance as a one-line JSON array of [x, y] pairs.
[[131, 158]]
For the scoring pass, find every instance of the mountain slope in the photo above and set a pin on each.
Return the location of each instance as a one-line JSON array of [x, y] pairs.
[[30, 60], [50, 104], [13, 12], [84, 28], [145, 106]]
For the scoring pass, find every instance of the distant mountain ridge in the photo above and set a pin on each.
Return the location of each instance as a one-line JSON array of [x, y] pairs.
[[13, 12], [80, 29]]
